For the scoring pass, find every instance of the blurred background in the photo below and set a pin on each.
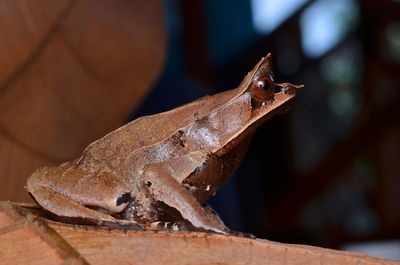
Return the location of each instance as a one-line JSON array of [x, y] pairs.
[[325, 174], [328, 172]]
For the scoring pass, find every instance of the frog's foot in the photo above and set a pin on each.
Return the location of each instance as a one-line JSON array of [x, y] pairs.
[[213, 215], [241, 234], [177, 226], [167, 226], [70, 211], [184, 226]]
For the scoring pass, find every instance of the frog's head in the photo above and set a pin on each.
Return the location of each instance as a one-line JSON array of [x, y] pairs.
[[266, 95], [226, 122], [257, 99], [226, 119]]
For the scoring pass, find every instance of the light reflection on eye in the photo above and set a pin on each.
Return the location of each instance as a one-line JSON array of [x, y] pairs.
[[260, 83]]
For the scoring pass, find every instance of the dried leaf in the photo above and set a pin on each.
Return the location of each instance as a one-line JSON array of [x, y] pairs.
[[70, 72]]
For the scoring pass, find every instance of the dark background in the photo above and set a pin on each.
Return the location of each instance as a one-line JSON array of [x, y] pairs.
[[328, 172]]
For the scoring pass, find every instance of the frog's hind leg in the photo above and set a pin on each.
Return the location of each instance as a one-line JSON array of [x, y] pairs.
[[71, 211], [61, 192]]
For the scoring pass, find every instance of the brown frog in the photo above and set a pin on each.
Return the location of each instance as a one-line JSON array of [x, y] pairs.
[[163, 168]]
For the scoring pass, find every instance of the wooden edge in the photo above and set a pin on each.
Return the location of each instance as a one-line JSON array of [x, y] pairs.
[[105, 245], [23, 218], [284, 251]]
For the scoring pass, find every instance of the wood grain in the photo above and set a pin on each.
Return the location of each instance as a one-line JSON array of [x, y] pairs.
[[70, 71], [26, 237]]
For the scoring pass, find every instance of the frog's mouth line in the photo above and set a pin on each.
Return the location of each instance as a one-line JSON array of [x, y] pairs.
[[288, 88], [282, 90]]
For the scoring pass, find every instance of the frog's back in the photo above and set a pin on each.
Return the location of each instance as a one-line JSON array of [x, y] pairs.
[[108, 152]]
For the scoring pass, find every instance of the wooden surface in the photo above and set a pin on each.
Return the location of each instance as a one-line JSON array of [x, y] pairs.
[[70, 72], [27, 238]]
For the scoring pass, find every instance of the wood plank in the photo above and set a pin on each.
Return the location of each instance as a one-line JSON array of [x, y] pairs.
[[105, 245]]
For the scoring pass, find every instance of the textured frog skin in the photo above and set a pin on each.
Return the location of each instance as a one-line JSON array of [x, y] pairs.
[[164, 167]]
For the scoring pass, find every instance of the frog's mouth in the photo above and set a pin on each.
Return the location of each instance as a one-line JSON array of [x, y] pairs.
[[278, 102], [280, 91]]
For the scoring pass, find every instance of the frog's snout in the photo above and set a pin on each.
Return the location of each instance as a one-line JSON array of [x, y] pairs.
[[288, 88]]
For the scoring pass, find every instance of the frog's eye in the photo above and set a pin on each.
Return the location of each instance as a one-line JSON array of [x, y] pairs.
[[261, 90]]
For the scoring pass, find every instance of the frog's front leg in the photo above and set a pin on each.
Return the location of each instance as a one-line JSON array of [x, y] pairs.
[[163, 183], [71, 194]]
